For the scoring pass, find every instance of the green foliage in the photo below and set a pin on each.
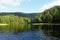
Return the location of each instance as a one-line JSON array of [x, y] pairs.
[[49, 16]]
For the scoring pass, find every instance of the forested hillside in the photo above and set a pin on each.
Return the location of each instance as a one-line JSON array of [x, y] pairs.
[[30, 15], [51, 15]]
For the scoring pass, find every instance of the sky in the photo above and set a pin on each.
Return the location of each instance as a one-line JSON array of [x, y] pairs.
[[27, 6]]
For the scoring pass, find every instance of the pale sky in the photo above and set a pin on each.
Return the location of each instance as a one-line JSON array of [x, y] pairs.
[[27, 6]]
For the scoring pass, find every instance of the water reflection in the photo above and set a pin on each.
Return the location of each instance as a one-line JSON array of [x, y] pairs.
[[16, 28], [52, 30], [29, 32]]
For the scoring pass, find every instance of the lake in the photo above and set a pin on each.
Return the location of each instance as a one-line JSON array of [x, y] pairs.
[[32, 34]]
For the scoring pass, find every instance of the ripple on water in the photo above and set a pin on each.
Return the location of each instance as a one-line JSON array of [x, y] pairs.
[[31, 35]]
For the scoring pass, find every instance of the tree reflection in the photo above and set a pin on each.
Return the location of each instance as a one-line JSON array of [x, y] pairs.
[[52, 30]]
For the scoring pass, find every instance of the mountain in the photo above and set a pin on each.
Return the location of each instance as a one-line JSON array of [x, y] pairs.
[[31, 15]]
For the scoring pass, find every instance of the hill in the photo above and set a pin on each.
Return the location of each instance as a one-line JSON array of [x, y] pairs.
[[31, 15], [51, 15]]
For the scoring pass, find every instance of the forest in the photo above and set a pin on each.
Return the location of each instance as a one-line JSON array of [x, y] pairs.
[[51, 15]]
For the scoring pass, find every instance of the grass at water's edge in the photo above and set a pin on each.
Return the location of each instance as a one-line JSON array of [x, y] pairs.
[[46, 24]]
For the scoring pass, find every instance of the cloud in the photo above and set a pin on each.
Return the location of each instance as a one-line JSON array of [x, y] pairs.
[[49, 5], [11, 2]]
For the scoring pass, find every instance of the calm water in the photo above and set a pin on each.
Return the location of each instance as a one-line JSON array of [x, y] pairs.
[[26, 35]]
